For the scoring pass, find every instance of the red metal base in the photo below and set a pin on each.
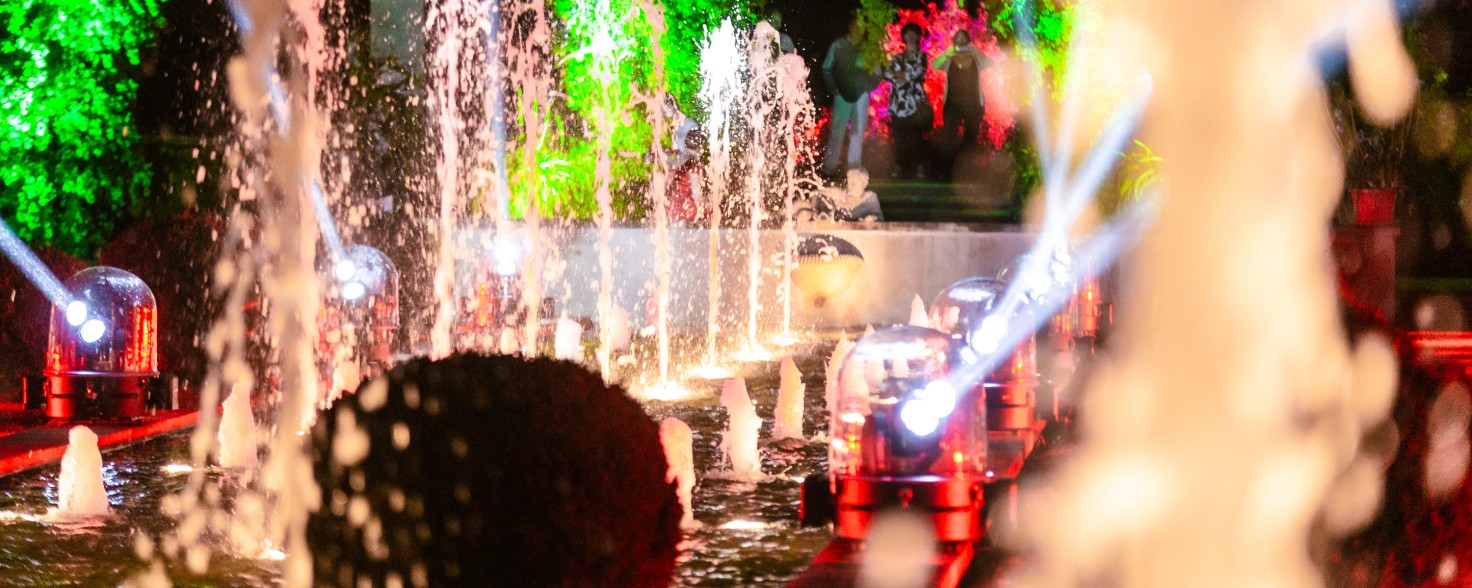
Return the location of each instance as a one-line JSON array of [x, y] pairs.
[[72, 396], [953, 504], [841, 562]]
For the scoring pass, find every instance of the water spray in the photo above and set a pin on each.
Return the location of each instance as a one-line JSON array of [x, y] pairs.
[[605, 53], [721, 66], [281, 114]]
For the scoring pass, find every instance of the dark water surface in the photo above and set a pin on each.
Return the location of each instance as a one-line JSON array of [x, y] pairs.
[[750, 535]]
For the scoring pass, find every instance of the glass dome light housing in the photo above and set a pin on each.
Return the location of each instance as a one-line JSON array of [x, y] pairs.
[[1080, 313], [963, 303], [825, 266], [897, 414], [362, 290], [495, 299], [109, 329], [970, 310]]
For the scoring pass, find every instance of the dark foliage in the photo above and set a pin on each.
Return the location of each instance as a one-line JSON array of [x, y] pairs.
[[515, 473], [1414, 535], [175, 256], [25, 315]]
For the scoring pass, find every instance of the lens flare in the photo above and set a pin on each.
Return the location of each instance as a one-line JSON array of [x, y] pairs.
[[353, 290], [919, 417]]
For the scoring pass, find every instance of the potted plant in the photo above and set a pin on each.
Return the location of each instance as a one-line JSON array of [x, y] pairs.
[[1372, 161]]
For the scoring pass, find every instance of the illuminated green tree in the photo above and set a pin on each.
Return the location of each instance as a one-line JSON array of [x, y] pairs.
[[689, 22], [70, 169], [1049, 23], [590, 36]]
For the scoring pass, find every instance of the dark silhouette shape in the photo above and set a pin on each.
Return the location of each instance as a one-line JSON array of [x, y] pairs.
[[515, 473]]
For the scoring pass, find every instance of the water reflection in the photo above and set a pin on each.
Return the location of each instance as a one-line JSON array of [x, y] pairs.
[[750, 537], [38, 549]]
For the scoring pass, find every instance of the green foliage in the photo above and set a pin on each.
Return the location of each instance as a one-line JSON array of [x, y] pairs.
[[603, 52], [1025, 156], [69, 164], [1138, 171], [689, 22], [1049, 24], [1052, 23], [874, 19], [603, 48]]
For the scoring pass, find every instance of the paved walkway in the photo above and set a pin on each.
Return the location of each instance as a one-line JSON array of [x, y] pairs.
[[44, 441]]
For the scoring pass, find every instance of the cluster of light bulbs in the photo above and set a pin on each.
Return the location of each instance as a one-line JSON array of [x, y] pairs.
[[91, 329]]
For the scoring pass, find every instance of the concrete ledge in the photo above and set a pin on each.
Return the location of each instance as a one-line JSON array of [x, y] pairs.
[[901, 261], [43, 445]]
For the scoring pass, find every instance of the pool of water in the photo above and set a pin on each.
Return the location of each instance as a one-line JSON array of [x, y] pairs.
[[750, 535], [38, 549]]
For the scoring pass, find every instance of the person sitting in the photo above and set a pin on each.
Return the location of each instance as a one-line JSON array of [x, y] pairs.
[[851, 203], [684, 200]]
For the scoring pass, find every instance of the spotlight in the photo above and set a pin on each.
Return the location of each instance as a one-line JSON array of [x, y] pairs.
[[76, 313], [361, 292], [353, 291], [506, 254], [1080, 317], [902, 437], [344, 270], [826, 266], [92, 330], [919, 417], [103, 348]]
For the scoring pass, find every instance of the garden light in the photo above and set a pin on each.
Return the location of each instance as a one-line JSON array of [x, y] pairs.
[[103, 347]]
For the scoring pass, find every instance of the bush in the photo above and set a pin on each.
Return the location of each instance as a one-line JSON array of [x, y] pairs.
[[175, 256]]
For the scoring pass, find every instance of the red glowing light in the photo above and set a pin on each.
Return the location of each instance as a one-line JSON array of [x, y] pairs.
[[939, 24], [139, 356]]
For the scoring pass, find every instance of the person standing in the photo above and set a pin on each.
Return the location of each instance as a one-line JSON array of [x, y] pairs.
[[850, 78], [965, 105], [784, 41], [909, 107]]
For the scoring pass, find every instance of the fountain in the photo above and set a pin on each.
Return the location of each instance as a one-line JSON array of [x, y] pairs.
[[739, 442], [787, 416], [721, 66], [795, 105], [657, 105], [237, 438], [260, 516], [918, 316], [760, 100], [568, 340], [79, 490], [676, 438]]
